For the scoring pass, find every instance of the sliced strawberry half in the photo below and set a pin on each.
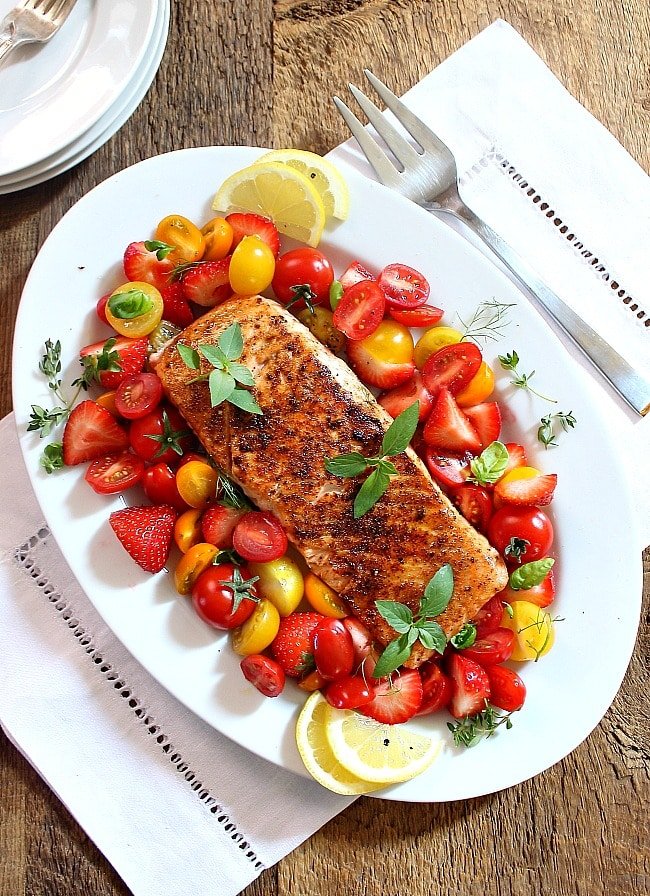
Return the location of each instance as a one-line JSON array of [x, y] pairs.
[[516, 456], [292, 645], [249, 224], [470, 686], [448, 428], [486, 420], [145, 533], [111, 360], [375, 372], [176, 308], [449, 470], [206, 283], [534, 492], [90, 433], [149, 265], [402, 397], [354, 273], [218, 523], [396, 699]]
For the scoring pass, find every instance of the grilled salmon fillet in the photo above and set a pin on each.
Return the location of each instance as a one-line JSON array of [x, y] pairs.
[[314, 408]]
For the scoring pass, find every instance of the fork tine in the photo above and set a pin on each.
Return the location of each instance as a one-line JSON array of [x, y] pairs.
[[57, 8], [401, 148], [386, 171]]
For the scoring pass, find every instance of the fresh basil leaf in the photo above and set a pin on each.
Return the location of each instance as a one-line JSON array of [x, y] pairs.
[[387, 467], [465, 637], [438, 592], [162, 250], [401, 431], [346, 465], [221, 386], [189, 356], [397, 615], [245, 400], [395, 654], [336, 294], [231, 342], [530, 574], [370, 492], [432, 636], [214, 356], [130, 304], [412, 635], [491, 464], [241, 373]]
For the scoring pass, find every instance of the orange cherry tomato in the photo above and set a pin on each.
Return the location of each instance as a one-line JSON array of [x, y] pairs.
[[185, 237], [197, 483], [218, 235], [187, 530], [107, 400], [478, 389], [323, 598], [192, 564]]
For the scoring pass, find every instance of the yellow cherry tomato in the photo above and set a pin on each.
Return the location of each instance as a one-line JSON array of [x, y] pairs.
[[433, 339], [258, 631], [391, 342], [218, 235], [185, 237], [134, 309], [322, 598], [251, 267], [192, 564], [196, 482], [533, 628], [187, 530], [281, 582], [479, 387]]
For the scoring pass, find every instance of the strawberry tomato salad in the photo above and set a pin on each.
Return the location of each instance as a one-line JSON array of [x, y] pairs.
[[233, 561]]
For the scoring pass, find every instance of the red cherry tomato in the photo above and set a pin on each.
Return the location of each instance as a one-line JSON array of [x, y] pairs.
[[475, 503], [507, 690], [333, 649], [542, 594], [162, 436], [451, 367], [259, 536], [424, 316], [361, 638], [264, 673], [492, 649], [137, 395], [488, 618], [349, 692], [213, 596], [301, 272], [101, 308], [526, 528], [159, 483], [436, 689], [404, 287], [449, 470], [114, 473], [360, 310]]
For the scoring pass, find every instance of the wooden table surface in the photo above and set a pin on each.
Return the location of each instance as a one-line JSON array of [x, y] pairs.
[[261, 72]]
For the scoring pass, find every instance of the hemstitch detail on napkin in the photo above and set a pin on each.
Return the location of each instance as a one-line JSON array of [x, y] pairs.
[[493, 155], [25, 558]]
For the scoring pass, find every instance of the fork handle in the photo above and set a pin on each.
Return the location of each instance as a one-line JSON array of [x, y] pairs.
[[632, 387], [7, 43]]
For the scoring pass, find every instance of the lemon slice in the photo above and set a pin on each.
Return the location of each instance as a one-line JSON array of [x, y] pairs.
[[280, 193], [317, 755], [325, 176], [383, 754]]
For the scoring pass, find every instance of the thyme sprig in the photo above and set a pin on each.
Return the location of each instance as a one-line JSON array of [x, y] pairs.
[[487, 322], [510, 362], [469, 731], [547, 433]]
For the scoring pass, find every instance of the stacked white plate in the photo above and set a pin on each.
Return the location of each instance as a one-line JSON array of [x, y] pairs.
[[61, 101]]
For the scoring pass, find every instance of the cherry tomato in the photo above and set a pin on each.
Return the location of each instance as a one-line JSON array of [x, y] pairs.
[[321, 323], [159, 483], [100, 307], [391, 342], [281, 582], [251, 267], [424, 316], [137, 395], [323, 598], [449, 470], [488, 618], [191, 565], [542, 594], [107, 400], [218, 236], [303, 272], [161, 436], [259, 536], [494, 648], [114, 473], [333, 649], [533, 628], [360, 310], [218, 523], [185, 237], [258, 631], [361, 640], [313, 681], [526, 528], [507, 690], [187, 529], [480, 387], [432, 340], [436, 689], [197, 483], [134, 309], [264, 673], [475, 503], [214, 592], [403, 286], [402, 397], [451, 367], [349, 692]]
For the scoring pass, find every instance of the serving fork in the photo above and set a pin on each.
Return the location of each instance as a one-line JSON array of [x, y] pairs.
[[427, 174], [32, 21]]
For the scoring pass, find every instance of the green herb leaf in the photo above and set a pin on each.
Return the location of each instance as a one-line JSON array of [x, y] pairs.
[[221, 385], [438, 592], [516, 547], [346, 465], [394, 655], [432, 635], [487, 322], [129, 304], [490, 465], [401, 431], [469, 731], [530, 574], [370, 492], [547, 435], [214, 355], [510, 362], [189, 356], [231, 342], [387, 467], [241, 373], [162, 250], [336, 294], [52, 457], [245, 400], [398, 616], [465, 637], [230, 494]]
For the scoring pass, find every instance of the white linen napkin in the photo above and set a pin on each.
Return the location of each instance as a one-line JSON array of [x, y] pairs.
[[557, 186]]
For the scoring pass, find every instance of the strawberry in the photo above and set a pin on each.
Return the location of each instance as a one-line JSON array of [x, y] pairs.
[[218, 523], [373, 371], [448, 428], [145, 533], [486, 420], [148, 265], [110, 361], [534, 492], [401, 397], [396, 699], [248, 224], [176, 308], [354, 273], [206, 283], [292, 644], [470, 686], [516, 456], [92, 432], [507, 690]]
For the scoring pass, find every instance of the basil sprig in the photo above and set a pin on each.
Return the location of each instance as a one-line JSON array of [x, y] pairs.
[[528, 575], [396, 440], [490, 465]]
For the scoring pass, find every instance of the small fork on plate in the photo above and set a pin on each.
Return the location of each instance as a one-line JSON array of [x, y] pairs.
[[32, 21], [427, 175]]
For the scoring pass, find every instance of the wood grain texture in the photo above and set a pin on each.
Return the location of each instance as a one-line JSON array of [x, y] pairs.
[[261, 72]]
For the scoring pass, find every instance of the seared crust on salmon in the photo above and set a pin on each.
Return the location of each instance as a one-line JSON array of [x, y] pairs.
[[315, 408]]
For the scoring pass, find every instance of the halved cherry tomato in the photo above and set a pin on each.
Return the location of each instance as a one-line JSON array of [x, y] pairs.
[[480, 387], [114, 473], [252, 266], [264, 674], [424, 316], [521, 534], [187, 239], [432, 340], [162, 435], [361, 640], [402, 397], [313, 681], [197, 483], [218, 235], [494, 648], [436, 689], [134, 309], [213, 596], [138, 394], [187, 530], [333, 649], [475, 503], [259, 536], [323, 598], [192, 564], [360, 310], [451, 367], [281, 582], [449, 470], [349, 692], [488, 618], [303, 272], [403, 286], [159, 483], [258, 631]]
